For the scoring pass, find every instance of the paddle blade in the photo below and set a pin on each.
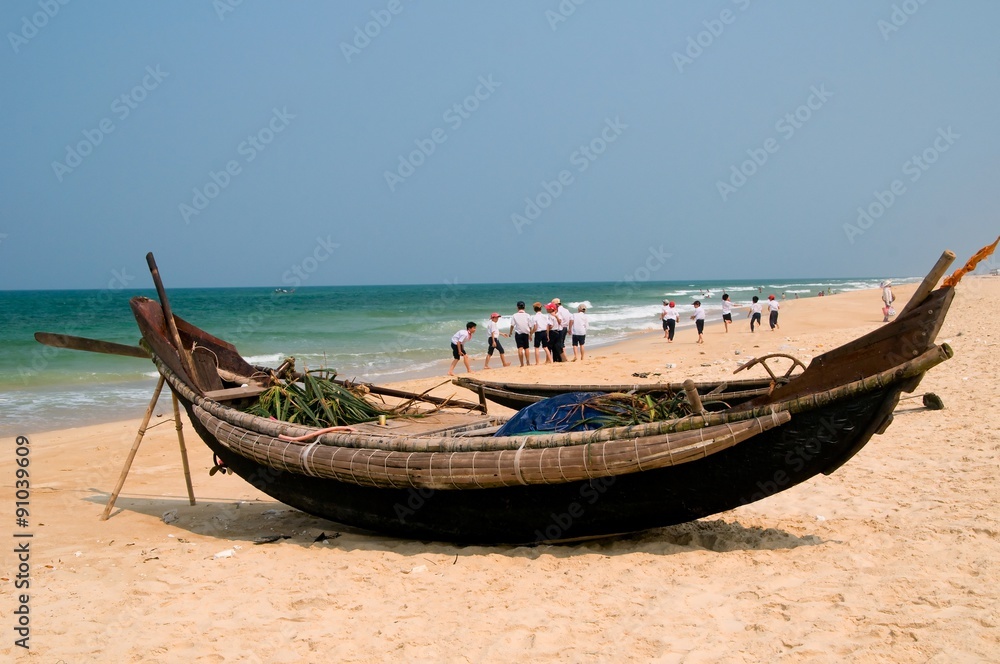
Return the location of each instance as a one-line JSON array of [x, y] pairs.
[[91, 345]]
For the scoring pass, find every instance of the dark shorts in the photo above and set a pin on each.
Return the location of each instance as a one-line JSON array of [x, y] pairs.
[[522, 340], [492, 343], [773, 318], [700, 324], [578, 339], [454, 352], [664, 324], [541, 339], [728, 317]]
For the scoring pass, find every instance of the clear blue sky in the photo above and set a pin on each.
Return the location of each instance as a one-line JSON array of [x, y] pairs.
[[403, 155]]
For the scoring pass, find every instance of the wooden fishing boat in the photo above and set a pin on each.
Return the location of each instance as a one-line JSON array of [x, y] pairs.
[[445, 478], [448, 477]]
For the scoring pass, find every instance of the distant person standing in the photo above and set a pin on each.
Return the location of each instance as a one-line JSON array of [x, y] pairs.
[[699, 321], [578, 329], [670, 317], [887, 298], [520, 327], [458, 352], [772, 307], [541, 328], [563, 316], [755, 309], [493, 341], [663, 319], [727, 310]]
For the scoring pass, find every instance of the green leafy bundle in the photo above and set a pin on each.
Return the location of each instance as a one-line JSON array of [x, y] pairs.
[[317, 402]]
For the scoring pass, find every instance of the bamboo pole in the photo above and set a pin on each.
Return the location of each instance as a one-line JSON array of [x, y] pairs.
[[135, 448], [168, 316], [930, 281], [184, 455], [693, 397]]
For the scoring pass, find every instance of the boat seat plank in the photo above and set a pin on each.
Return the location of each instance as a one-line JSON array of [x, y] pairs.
[[231, 393]]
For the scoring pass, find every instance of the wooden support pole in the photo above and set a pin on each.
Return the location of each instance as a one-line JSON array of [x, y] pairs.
[[693, 398], [135, 448], [168, 316], [184, 454], [930, 281]]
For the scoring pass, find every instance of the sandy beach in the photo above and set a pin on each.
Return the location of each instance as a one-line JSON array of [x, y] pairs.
[[894, 558]]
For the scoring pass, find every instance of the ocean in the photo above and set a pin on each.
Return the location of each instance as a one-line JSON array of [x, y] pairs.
[[371, 333]]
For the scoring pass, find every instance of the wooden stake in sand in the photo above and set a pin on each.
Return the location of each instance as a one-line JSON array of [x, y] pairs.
[[135, 448]]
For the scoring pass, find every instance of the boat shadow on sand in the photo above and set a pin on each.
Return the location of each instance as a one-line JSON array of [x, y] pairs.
[[275, 524]]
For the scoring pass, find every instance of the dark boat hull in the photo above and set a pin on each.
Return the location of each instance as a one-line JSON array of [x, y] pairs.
[[811, 443]]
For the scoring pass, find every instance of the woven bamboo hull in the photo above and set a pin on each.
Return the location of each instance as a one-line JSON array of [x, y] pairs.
[[810, 444]]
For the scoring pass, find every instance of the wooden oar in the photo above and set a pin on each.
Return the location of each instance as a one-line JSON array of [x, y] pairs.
[[91, 345]]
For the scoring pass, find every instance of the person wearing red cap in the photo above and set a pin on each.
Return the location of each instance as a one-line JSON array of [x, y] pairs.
[[669, 316], [772, 306], [493, 341]]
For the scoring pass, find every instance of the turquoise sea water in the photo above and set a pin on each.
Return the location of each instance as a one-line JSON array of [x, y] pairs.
[[373, 333]]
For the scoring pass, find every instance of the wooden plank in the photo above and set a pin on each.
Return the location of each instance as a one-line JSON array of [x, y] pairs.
[[228, 394], [91, 345]]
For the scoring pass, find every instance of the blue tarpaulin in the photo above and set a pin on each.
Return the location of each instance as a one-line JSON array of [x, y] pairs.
[[559, 413]]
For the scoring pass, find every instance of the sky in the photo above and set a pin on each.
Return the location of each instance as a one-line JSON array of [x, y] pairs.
[[251, 143]]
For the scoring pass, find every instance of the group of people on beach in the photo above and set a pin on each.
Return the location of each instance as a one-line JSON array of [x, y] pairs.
[[546, 329], [670, 315]]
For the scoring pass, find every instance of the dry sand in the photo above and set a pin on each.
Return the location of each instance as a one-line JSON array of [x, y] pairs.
[[894, 558]]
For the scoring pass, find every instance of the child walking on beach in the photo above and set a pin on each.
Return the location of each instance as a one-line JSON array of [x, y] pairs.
[[772, 306], [754, 314], [578, 329], [493, 341], [541, 328], [520, 327], [699, 321], [458, 341], [727, 311], [670, 317]]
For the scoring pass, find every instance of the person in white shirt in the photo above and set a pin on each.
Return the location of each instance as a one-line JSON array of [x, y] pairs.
[[541, 329], [754, 312], [727, 311], [699, 321], [563, 317], [772, 306], [458, 341], [520, 327], [493, 341], [670, 317], [578, 330]]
